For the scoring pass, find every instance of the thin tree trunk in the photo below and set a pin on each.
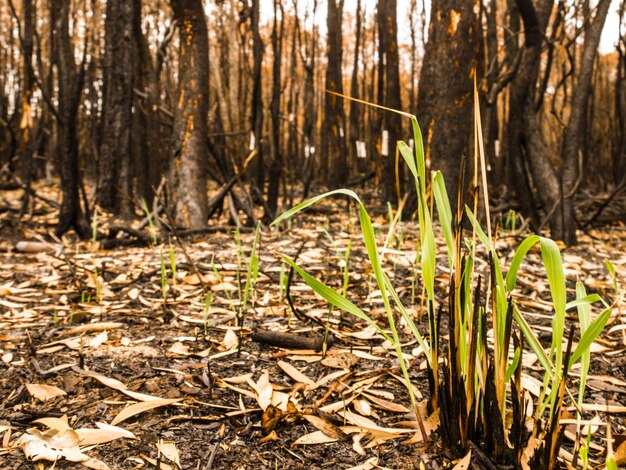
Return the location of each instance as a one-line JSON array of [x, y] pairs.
[[275, 168], [69, 88], [355, 108], [525, 145], [189, 152], [334, 165], [149, 164], [114, 179], [575, 131], [256, 116], [389, 92]]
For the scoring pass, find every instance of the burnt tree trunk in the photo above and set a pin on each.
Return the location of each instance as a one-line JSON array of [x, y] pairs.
[[389, 95], [69, 91], [148, 161], [575, 131], [256, 115], [275, 167], [445, 88], [525, 146], [355, 108], [334, 165], [27, 146], [619, 152], [189, 152], [308, 101], [114, 179]]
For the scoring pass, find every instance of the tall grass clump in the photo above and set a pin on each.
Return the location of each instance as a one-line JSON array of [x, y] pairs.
[[476, 387]]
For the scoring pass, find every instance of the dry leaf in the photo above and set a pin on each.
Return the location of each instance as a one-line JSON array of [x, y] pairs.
[[367, 465], [140, 407], [153, 462], [115, 384], [263, 389], [271, 437], [385, 404], [53, 445], [230, 340], [169, 451], [362, 407], [316, 437], [59, 424], [270, 418], [343, 360], [102, 326], [105, 433], [326, 427], [44, 392], [179, 349], [296, 375]]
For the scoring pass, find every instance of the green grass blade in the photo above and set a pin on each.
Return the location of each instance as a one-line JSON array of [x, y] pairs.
[[313, 200], [510, 370], [445, 215], [590, 334], [534, 343], [586, 300], [520, 253], [479, 231], [334, 298]]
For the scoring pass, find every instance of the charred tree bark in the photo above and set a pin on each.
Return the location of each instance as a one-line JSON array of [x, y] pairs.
[[525, 146], [310, 116], [355, 108], [256, 116], [69, 90], [114, 178], [575, 131], [334, 165], [149, 164], [275, 168], [445, 87], [189, 152], [389, 95], [26, 124], [619, 152]]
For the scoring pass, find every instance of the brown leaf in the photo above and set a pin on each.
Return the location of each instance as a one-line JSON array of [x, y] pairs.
[[270, 418]]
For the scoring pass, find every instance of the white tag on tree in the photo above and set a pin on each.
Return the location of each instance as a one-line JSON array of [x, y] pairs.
[[361, 149], [307, 151], [340, 131], [412, 144], [385, 145], [312, 150], [252, 141]]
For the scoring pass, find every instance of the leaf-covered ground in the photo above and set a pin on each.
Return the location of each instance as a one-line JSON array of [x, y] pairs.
[[88, 338]]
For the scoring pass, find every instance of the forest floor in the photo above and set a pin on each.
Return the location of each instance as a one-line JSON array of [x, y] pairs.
[[88, 338]]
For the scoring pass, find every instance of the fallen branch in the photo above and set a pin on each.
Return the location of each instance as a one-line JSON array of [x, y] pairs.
[[289, 340]]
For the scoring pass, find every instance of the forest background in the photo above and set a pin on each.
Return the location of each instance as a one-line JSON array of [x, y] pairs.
[[127, 100]]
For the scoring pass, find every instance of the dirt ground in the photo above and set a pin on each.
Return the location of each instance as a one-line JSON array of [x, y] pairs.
[[95, 323]]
